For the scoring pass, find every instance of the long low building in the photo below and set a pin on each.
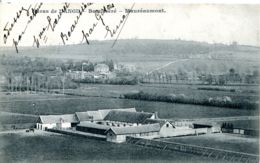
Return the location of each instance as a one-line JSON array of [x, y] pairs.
[[93, 128], [119, 134]]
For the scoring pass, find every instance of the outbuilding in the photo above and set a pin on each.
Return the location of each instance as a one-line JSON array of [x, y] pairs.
[[92, 127], [128, 117], [118, 134], [56, 121]]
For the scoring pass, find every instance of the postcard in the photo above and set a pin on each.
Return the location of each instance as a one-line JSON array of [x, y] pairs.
[[129, 82]]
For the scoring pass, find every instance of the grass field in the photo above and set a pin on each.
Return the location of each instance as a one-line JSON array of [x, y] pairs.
[[48, 147], [241, 97], [221, 141], [72, 104], [242, 93]]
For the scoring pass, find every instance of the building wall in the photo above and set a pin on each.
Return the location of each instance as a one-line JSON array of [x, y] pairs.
[[41, 126], [91, 130], [111, 137], [167, 130], [65, 125], [202, 130]]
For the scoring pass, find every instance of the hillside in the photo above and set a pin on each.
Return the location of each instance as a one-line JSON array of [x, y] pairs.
[[154, 53]]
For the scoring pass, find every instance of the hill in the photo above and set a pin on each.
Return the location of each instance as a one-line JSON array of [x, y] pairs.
[[154, 53]]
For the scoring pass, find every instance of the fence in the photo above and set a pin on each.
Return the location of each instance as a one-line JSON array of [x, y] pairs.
[[197, 150]]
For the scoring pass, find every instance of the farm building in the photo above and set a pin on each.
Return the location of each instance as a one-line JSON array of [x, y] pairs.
[[118, 134], [98, 114], [56, 121], [88, 115], [93, 128], [128, 117], [117, 124], [206, 128], [166, 128]]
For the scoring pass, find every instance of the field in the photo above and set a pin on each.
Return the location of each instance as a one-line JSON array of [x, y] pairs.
[[48, 147], [221, 141], [98, 96], [241, 93], [18, 146], [70, 104]]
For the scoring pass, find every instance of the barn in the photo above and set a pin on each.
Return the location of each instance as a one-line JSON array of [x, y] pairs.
[[119, 134], [134, 118], [98, 114], [88, 115], [56, 121], [166, 128]]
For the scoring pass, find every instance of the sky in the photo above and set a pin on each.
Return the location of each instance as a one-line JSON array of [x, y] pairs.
[[212, 23]]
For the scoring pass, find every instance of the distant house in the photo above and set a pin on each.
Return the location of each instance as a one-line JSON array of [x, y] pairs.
[[101, 69], [129, 68], [78, 75], [56, 121], [118, 134]]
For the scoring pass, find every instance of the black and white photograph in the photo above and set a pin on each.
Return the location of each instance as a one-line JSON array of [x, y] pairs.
[[129, 82]]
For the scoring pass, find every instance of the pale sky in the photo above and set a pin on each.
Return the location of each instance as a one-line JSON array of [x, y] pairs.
[[210, 23]]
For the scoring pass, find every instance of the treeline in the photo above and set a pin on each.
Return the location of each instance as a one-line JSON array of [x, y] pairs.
[[84, 65], [216, 89], [37, 81], [182, 76], [39, 64], [181, 98], [127, 80]]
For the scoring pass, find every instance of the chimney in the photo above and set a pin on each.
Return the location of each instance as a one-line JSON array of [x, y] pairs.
[[156, 115]]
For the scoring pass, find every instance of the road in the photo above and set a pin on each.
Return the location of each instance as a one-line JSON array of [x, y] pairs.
[[167, 64]]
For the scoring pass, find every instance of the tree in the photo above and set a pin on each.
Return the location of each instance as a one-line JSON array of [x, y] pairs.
[[255, 73], [209, 79], [231, 71]]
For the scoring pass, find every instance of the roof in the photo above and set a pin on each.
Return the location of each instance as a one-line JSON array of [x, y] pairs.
[[47, 119], [93, 125], [126, 116], [83, 116], [98, 114], [152, 121], [135, 129], [104, 112]]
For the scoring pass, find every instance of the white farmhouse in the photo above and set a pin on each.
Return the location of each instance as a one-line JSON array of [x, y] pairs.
[[101, 69], [56, 121]]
